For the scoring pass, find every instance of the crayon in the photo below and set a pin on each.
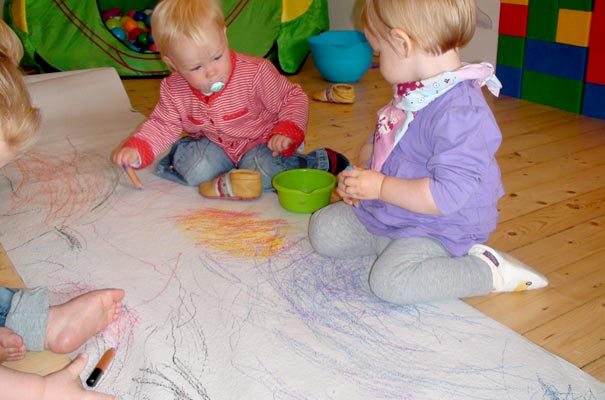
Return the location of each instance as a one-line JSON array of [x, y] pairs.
[[133, 176], [101, 366], [355, 201]]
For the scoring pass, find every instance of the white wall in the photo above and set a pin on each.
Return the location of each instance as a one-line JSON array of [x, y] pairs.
[[344, 14]]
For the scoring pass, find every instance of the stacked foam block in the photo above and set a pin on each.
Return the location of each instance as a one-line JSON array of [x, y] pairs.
[[552, 52]]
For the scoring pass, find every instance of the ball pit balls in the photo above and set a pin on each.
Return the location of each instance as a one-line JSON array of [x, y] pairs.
[[132, 27], [119, 33]]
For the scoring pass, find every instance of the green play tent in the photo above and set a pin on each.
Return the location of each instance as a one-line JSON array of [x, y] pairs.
[[70, 34]]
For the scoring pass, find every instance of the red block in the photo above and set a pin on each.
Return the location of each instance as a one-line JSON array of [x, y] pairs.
[[595, 72], [513, 19]]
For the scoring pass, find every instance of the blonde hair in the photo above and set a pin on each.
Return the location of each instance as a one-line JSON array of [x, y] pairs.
[[173, 20], [19, 121], [437, 26]]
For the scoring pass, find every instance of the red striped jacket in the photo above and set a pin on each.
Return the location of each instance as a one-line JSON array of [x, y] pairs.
[[256, 103]]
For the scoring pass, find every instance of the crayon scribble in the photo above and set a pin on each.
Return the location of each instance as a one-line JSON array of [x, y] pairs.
[[64, 190], [244, 234]]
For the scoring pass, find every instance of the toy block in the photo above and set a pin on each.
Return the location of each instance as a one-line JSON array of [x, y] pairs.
[[580, 5], [511, 50], [542, 19], [511, 78], [594, 101], [553, 91], [574, 27], [513, 20], [521, 2], [595, 72], [551, 58]]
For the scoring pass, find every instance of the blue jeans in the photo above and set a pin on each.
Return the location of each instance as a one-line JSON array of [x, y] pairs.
[[6, 297], [193, 161]]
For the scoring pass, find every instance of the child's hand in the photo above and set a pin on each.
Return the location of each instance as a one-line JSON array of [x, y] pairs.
[[64, 384], [125, 156], [359, 184], [279, 143]]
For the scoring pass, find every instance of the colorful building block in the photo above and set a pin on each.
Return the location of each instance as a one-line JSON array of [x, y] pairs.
[[551, 90], [542, 19], [511, 78], [593, 104], [522, 2], [581, 5], [511, 51], [513, 19], [595, 72], [573, 27], [556, 59]]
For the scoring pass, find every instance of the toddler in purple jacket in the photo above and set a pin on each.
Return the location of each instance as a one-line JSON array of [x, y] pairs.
[[423, 198]]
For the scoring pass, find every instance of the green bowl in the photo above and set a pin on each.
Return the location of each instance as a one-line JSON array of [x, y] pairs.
[[304, 190]]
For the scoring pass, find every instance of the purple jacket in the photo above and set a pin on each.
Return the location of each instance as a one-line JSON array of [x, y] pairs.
[[453, 141]]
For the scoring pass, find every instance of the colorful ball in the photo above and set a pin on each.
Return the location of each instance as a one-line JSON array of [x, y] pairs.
[[125, 18], [143, 40], [139, 16], [129, 25], [119, 33], [112, 23], [113, 12]]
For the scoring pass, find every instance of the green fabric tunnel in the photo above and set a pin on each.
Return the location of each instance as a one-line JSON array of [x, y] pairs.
[[62, 35]]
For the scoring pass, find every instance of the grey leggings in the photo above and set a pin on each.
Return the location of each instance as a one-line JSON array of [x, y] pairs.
[[28, 316], [406, 270]]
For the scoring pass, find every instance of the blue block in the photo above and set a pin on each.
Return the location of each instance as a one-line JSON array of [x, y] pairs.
[[593, 104], [558, 59], [511, 79]]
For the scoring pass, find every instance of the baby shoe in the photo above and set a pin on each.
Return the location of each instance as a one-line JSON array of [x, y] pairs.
[[338, 162], [237, 184], [336, 93], [509, 274]]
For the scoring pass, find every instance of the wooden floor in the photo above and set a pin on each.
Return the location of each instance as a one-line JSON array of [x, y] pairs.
[[552, 217]]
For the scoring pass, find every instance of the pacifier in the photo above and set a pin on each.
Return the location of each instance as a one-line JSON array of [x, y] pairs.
[[217, 87]]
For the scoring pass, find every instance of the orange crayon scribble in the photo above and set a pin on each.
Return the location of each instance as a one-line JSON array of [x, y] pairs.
[[64, 189], [242, 234]]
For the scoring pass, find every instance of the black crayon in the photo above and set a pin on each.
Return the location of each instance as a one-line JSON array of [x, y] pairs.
[[103, 363]]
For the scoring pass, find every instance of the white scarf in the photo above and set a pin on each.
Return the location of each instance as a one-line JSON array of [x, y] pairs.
[[409, 98]]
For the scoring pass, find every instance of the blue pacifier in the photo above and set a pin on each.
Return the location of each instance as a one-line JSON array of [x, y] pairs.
[[217, 87]]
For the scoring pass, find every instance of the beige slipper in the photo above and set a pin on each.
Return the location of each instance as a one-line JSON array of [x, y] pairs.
[[237, 184], [336, 93]]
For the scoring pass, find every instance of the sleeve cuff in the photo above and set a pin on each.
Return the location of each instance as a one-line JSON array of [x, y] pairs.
[[144, 149], [291, 130]]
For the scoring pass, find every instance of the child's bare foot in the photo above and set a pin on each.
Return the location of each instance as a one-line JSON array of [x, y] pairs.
[[73, 323], [11, 346]]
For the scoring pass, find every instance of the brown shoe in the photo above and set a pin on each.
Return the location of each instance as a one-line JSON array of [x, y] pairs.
[[237, 184]]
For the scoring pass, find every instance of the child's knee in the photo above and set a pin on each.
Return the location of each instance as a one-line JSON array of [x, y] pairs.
[[320, 234]]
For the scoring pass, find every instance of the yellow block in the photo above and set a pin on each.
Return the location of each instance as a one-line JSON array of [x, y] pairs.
[[18, 14], [292, 9], [573, 27], [521, 2]]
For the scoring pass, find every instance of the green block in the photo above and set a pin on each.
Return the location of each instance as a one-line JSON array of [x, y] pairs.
[[580, 5], [542, 17], [511, 50], [553, 91]]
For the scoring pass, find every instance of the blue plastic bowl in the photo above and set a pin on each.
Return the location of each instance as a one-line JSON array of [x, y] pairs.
[[341, 56]]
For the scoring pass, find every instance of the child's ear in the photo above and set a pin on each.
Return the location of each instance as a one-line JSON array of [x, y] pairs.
[[168, 62], [401, 41]]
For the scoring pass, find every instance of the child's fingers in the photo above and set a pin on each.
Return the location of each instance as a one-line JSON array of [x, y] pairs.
[[76, 367]]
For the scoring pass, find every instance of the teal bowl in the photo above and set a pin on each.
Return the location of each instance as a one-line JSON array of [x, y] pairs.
[[341, 56], [304, 190]]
